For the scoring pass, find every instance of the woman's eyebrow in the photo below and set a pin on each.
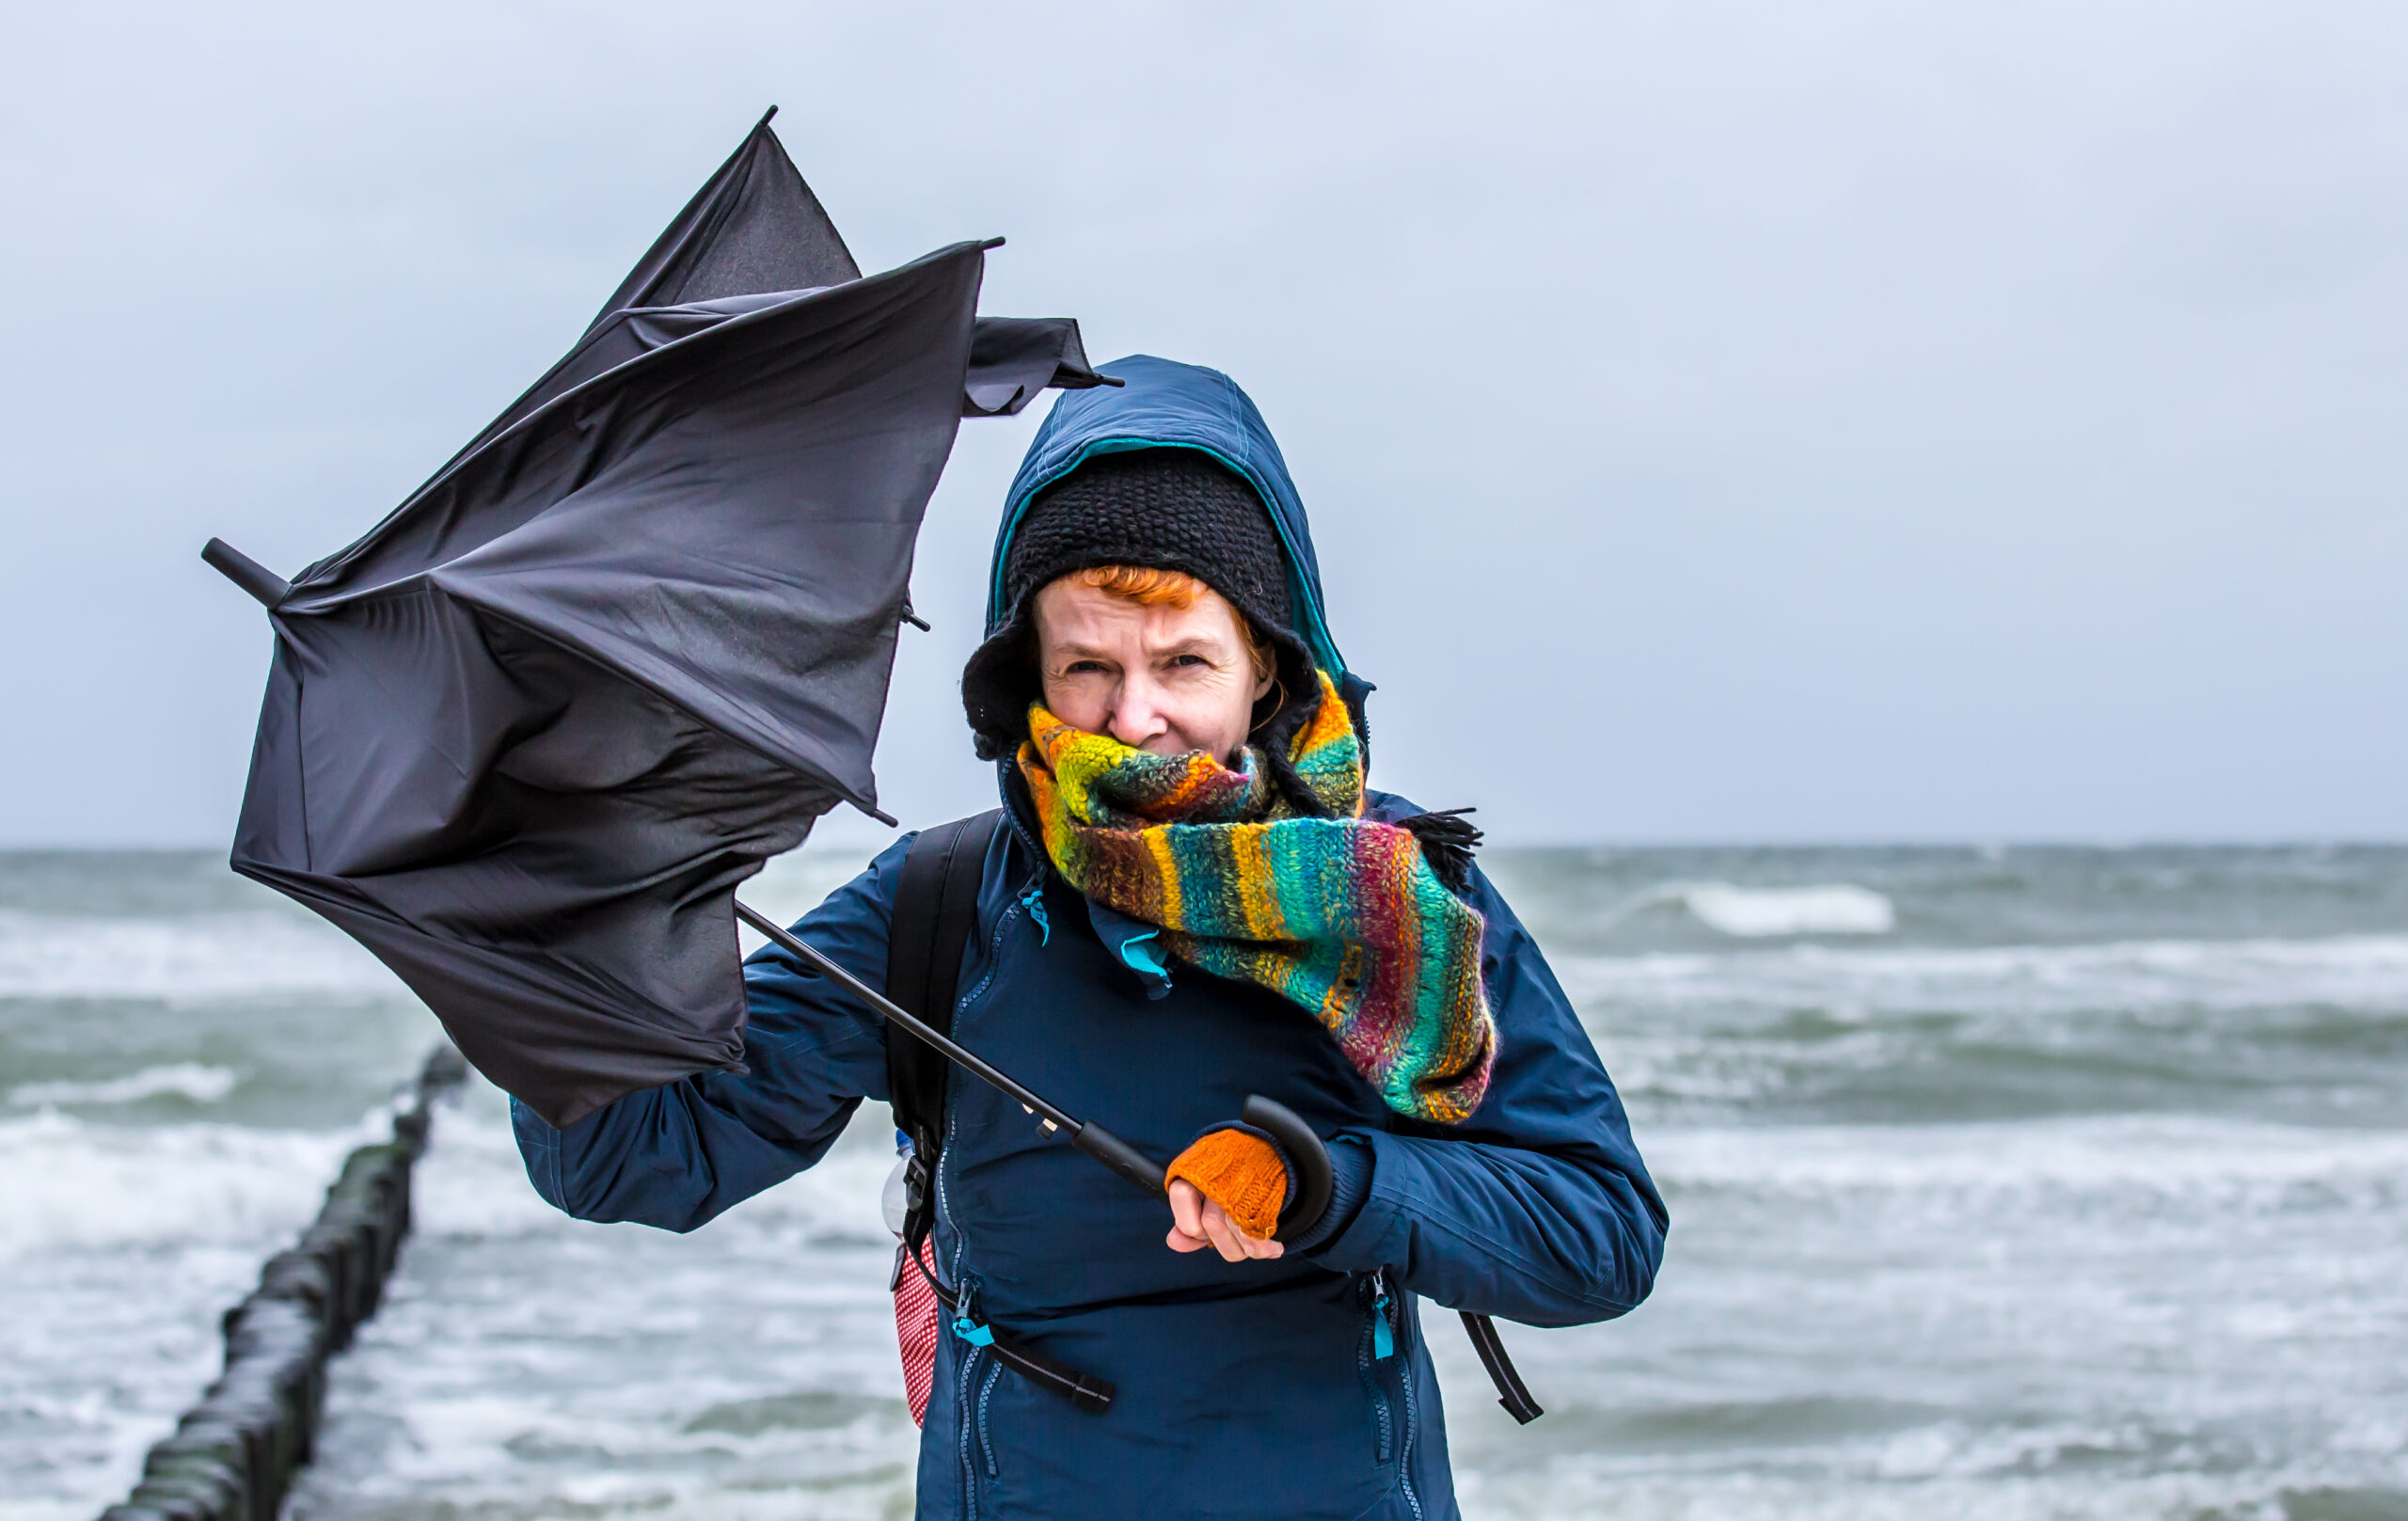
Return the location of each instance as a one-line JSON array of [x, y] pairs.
[[1192, 645]]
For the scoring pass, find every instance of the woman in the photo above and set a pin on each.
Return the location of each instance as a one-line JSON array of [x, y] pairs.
[[1197, 899]]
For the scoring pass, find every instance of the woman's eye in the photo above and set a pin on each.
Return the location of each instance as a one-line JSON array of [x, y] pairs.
[[1190, 658], [1082, 668]]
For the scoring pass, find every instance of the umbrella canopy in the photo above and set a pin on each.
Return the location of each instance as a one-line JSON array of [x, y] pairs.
[[524, 738]]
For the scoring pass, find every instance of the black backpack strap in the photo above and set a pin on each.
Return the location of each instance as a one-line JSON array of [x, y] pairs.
[[936, 910], [1511, 1392]]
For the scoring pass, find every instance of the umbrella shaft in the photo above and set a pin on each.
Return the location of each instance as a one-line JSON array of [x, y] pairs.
[[894, 1014]]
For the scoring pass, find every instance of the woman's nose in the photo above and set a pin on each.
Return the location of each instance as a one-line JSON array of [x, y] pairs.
[[1137, 713]]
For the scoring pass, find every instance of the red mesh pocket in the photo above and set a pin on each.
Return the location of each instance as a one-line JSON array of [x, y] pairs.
[[916, 1328]]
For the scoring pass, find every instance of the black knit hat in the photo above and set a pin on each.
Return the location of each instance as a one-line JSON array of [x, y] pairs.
[[1165, 509]]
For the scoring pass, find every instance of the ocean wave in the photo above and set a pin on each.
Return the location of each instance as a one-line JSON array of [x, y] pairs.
[[1764, 912], [121, 1249], [2358, 971], [2171, 1154], [67, 1182], [187, 1080], [200, 957], [1890, 1483]]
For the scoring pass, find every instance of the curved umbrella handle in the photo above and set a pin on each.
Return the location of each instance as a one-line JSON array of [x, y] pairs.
[[1306, 1153]]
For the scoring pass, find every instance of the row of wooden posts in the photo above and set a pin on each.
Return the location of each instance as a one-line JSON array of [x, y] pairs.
[[234, 1455]]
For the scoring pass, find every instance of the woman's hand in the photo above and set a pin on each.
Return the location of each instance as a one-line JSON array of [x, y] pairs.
[[1199, 1222]]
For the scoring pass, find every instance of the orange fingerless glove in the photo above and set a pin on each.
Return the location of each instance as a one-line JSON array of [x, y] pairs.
[[1241, 1173]]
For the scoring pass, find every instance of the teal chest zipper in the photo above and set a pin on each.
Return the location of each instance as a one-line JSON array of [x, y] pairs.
[[979, 1336], [1382, 1337], [1033, 901]]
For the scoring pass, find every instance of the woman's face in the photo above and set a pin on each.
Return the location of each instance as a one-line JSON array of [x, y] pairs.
[[1159, 678]]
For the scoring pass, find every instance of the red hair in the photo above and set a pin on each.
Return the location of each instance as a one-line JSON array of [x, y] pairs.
[[1149, 586]]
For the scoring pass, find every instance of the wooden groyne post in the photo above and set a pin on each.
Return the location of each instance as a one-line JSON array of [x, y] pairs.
[[234, 1455]]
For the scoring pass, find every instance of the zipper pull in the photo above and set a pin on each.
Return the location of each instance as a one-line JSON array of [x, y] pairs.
[[1033, 901], [977, 1335], [966, 1323], [1383, 1336]]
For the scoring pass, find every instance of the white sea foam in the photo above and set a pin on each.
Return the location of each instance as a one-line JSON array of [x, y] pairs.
[[2383, 954], [2168, 1154], [199, 957], [67, 1182], [1885, 1487], [120, 1246], [2361, 972], [1759, 912], [187, 1080], [1835, 909]]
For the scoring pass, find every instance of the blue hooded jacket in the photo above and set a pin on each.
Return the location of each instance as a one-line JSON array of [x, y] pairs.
[[1297, 1386]]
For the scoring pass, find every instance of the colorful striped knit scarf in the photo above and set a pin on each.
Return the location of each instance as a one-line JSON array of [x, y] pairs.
[[1341, 915]]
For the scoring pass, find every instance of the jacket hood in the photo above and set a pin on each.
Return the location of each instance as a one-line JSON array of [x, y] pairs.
[[1166, 405]]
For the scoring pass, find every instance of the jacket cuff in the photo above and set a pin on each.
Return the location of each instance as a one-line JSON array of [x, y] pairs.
[[1350, 1184]]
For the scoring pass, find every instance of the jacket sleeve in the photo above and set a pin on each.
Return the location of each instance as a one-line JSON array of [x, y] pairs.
[[1537, 1208], [677, 1155]]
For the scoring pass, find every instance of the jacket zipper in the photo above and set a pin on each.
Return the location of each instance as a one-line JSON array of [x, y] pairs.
[[995, 946], [1404, 1367], [968, 1411], [986, 1393], [967, 1302], [1375, 1349]]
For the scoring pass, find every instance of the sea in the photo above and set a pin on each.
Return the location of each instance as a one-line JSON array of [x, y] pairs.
[[2007, 1182]]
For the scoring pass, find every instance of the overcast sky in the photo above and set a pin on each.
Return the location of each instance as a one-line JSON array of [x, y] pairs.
[[1720, 422]]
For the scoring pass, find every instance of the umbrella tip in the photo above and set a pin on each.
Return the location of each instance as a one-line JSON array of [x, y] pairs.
[[765, 118], [247, 573]]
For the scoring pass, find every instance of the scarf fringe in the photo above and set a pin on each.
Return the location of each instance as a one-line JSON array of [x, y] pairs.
[[1447, 840]]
